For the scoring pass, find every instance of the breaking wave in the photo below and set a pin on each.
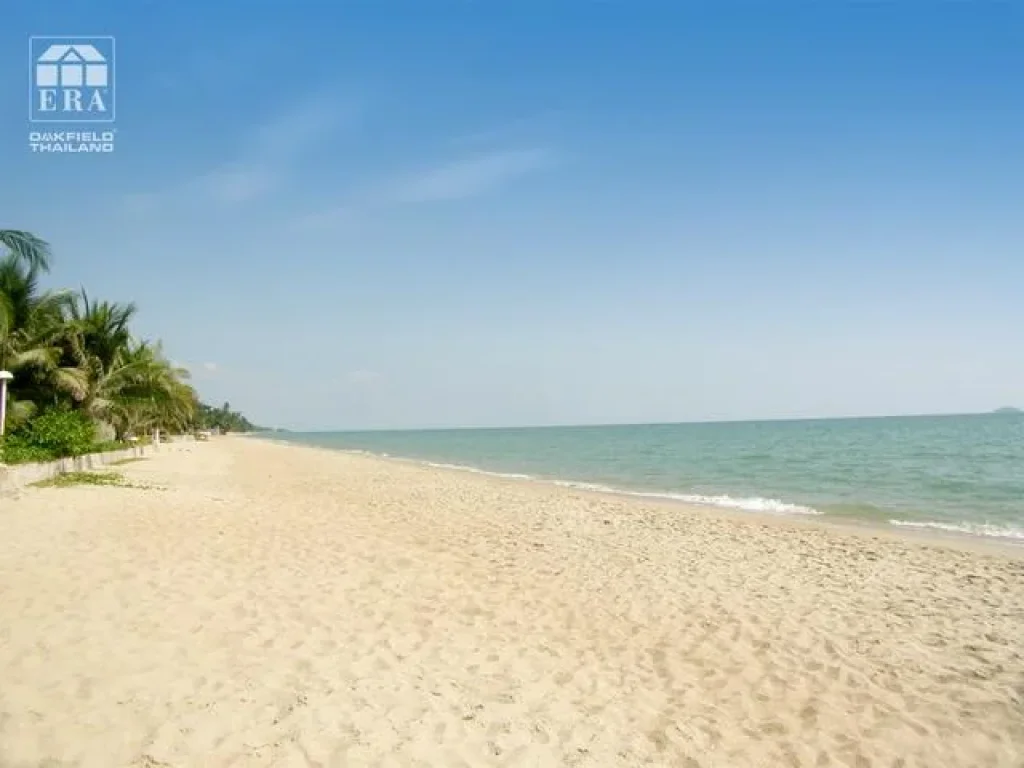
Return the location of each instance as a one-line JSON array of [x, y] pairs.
[[987, 530], [748, 504]]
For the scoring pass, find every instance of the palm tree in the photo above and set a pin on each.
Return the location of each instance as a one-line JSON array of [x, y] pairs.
[[145, 391], [27, 249], [69, 350], [31, 327], [119, 381], [101, 327]]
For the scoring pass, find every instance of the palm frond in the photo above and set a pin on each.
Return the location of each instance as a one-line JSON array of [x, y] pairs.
[[28, 249], [69, 348]]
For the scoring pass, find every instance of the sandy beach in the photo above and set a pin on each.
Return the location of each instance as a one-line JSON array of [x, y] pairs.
[[255, 604]]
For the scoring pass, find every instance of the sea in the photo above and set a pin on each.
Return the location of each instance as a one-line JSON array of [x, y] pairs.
[[954, 474]]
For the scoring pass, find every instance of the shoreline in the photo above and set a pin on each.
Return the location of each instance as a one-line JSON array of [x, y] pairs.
[[246, 602], [995, 545]]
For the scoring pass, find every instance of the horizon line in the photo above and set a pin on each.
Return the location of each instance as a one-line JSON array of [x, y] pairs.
[[598, 425]]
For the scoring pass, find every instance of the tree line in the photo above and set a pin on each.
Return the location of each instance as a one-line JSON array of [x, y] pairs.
[[80, 376], [223, 419]]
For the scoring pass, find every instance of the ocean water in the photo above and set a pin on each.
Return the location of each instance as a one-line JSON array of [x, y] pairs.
[[961, 474]]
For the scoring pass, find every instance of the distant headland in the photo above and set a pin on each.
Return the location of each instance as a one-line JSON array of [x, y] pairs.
[[1008, 409]]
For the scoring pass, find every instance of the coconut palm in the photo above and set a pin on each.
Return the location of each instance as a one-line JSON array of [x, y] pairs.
[[69, 350], [27, 249], [145, 391], [99, 327], [31, 327], [120, 381]]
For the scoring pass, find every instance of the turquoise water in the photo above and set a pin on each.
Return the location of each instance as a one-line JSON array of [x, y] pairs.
[[956, 473]]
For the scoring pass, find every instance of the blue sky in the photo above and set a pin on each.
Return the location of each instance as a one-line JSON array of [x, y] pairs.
[[456, 213]]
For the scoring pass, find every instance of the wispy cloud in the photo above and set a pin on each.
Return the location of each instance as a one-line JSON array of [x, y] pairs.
[[521, 130], [266, 157], [236, 184], [308, 123], [468, 177], [267, 154], [462, 179], [335, 216], [236, 58]]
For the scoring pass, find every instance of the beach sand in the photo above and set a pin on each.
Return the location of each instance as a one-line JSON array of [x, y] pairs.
[[271, 605]]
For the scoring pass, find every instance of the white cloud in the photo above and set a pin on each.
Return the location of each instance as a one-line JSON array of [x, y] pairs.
[[211, 367], [457, 180], [305, 125], [264, 160], [521, 130], [236, 185], [468, 177], [236, 58], [328, 218]]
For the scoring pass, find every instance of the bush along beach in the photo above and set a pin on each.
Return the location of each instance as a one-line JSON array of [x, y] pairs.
[[79, 380]]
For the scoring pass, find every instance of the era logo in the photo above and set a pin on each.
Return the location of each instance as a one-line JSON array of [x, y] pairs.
[[72, 80]]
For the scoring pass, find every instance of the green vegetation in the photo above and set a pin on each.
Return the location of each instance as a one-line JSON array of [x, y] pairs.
[[68, 479], [223, 418], [59, 431], [82, 381], [82, 478]]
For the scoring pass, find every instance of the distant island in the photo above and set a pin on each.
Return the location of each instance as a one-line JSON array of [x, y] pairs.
[[1008, 409]]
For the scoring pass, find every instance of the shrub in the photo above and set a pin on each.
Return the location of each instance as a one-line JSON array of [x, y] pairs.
[[16, 449], [59, 431]]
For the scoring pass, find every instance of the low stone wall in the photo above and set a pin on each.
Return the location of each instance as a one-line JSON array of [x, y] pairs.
[[15, 476]]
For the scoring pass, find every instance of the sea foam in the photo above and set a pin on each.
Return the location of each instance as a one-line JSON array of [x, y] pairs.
[[748, 504], [973, 529], [477, 471]]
